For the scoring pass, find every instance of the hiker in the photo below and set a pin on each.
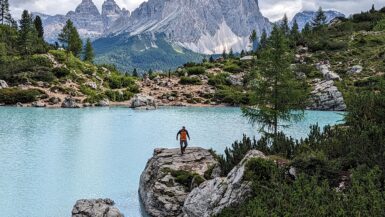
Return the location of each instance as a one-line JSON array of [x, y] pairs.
[[183, 133]]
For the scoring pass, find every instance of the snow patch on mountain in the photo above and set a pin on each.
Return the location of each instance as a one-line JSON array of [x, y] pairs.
[[223, 40]]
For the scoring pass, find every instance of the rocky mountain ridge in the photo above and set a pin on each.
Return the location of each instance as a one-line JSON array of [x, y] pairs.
[[307, 16]]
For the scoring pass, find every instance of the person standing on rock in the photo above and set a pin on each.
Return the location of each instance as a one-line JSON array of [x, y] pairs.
[[183, 133]]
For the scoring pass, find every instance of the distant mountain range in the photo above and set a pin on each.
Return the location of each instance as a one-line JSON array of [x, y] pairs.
[[163, 34], [307, 16]]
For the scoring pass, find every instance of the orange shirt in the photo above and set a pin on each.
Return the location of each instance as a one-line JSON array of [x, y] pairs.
[[183, 135]]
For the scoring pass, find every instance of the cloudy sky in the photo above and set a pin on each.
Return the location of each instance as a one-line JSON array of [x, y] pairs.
[[273, 9]]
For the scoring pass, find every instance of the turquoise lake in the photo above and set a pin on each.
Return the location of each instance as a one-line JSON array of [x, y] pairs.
[[49, 158]]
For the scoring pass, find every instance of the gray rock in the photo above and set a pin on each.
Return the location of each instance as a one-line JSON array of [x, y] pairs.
[[160, 193], [3, 84], [356, 69], [54, 100], [236, 80], [96, 208], [324, 68], [38, 105], [212, 196], [70, 102], [92, 85], [104, 103], [143, 101], [19, 104], [326, 96]]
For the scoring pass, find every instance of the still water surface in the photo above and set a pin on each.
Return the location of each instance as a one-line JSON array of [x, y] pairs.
[[49, 158]]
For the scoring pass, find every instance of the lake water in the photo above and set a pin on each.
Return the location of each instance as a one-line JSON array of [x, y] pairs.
[[49, 158]]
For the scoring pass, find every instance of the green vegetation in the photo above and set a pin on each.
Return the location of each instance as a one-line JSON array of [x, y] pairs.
[[11, 96], [190, 81], [185, 178]]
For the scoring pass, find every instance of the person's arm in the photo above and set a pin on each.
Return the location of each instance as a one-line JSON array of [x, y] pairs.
[[177, 135], [188, 135]]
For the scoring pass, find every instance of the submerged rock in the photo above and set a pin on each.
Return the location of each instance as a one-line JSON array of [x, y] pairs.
[[161, 192], [212, 196], [96, 208]]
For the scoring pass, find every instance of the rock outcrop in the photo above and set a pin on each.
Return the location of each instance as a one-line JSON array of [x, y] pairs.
[[96, 208], [326, 97], [161, 192], [212, 196], [70, 102], [328, 74], [142, 101], [3, 84]]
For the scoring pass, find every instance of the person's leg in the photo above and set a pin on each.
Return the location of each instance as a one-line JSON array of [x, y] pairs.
[[181, 147], [184, 145]]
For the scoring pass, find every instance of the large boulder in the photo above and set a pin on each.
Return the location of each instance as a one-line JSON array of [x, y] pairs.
[[165, 183], [326, 97], [212, 196], [104, 103], [3, 84], [38, 105], [96, 208], [143, 101], [70, 102]]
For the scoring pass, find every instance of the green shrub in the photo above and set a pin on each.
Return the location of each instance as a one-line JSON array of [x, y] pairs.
[[119, 96], [120, 81], [11, 96], [61, 72], [185, 178], [196, 70], [232, 95], [190, 81], [42, 61], [260, 170], [232, 68], [219, 79]]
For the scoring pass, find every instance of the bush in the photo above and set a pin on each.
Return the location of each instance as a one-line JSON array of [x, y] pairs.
[[196, 70], [190, 81], [11, 96], [232, 95], [232, 68], [260, 170], [119, 96], [219, 79], [61, 72], [120, 81], [185, 178]]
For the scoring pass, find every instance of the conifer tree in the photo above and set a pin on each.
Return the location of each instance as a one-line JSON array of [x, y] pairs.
[[253, 40], [263, 41], [5, 15], [373, 9], [224, 54], [135, 73], [70, 38], [276, 91], [231, 53], [39, 27], [211, 59], [26, 33], [243, 53], [319, 19], [295, 35], [89, 52], [285, 25]]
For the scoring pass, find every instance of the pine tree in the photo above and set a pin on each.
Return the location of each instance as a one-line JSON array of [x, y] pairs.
[[276, 92], [5, 15], [253, 40], [89, 52], [373, 9], [224, 54], [231, 53], [319, 19], [135, 73], [295, 35], [70, 38], [26, 34], [285, 25], [39, 27], [150, 73], [211, 59], [243, 53], [263, 41]]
